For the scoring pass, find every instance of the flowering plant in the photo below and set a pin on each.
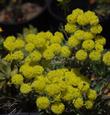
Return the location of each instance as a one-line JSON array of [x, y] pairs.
[[83, 31], [56, 72]]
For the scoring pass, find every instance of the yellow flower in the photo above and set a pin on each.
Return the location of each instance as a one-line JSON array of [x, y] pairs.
[[68, 96], [78, 103], [88, 36], [71, 78], [55, 75], [62, 85], [90, 13], [39, 85], [27, 71], [79, 34], [77, 12], [58, 108], [19, 43], [82, 20], [47, 44], [42, 102], [25, 88], [48, 35], [55, 48], [9, 43], [70, 28], [10, 38], [52, 89], [99, 47], [52, 74], [100, 40], [48, 54], [56, 39], [92, 94], [38, 70], [97, 29], [65, 52], [17, 79], [71, 93], [42, 34], [93, 19], [18, 55], [81, 55], [71, 19], [30, 37], [83, 86], [59, 34], [106, 58], [39, 41], [8, 57], [95, 55], [88, 44], [35, 56], [88, 104], [73, 42], [29, 47]]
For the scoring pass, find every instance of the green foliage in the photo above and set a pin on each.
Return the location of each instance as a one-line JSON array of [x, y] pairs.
[[5, 72], [28, 30], [103, 9]]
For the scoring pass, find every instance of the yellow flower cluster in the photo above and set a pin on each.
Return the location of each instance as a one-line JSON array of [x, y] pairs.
[[95, 55], [25, 88], [78, 17], [11, 43], [64, 85], [17, 79], [81, 55], [58, 108], [42, 102], [31, 71], [34, 47], [56, 87], [106, 58], [17, 55], [61, 85], [84, 28]]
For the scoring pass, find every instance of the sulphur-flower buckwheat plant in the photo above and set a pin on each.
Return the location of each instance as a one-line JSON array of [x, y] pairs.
[[57, 72], [84, 40], [56, 87]]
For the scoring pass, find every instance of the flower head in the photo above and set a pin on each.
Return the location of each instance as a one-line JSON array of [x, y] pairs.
[[106, 58], [78, 103], [25, 88], [81, 55], [42, 102], [17, 79], [58, 108]]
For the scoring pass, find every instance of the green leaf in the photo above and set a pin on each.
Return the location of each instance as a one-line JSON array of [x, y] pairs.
[[2, 76], [30, 30]]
